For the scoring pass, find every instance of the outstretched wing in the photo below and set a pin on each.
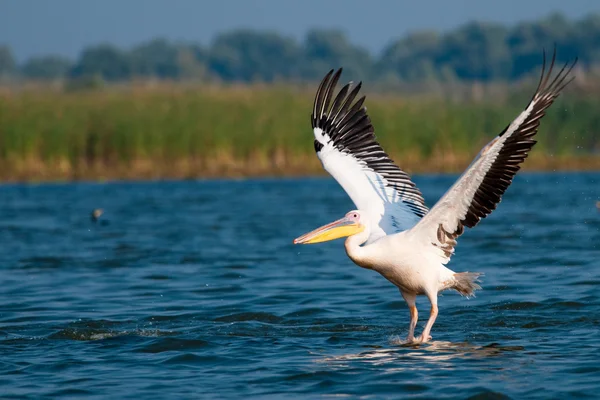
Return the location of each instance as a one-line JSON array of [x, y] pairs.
[[479, 190], [346, 145]]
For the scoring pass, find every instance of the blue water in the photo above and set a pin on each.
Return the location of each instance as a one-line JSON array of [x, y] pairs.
[[194, 289]]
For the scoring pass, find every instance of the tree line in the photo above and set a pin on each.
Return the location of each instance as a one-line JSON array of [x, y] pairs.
[[475, 51]]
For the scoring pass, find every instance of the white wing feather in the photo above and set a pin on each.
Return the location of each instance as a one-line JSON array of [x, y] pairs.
[[346, 145], [369, 191]]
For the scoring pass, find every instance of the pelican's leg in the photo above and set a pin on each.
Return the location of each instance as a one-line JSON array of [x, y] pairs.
[[411, 300], [425, 336]]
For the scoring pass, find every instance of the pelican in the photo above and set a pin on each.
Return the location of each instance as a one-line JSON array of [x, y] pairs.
[[392, 231]]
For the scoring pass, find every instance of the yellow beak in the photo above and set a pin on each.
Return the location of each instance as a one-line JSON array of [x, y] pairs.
[[335, 230]]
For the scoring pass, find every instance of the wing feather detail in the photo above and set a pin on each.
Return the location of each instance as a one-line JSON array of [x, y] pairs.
[[479, 190], [346, 145]]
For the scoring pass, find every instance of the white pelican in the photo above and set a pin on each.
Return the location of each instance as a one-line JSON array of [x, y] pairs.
[[392, 231]]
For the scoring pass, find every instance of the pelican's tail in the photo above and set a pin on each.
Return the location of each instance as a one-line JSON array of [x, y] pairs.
[[466, 283]]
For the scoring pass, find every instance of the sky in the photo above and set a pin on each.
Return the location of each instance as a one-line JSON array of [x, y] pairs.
[[39, 27]]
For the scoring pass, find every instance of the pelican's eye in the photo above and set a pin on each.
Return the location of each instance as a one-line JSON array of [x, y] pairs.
[[353, 216]]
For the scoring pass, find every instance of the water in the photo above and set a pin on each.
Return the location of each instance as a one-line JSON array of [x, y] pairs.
[[194, 289]]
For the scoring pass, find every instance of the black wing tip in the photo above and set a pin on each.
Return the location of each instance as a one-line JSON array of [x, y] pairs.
[[326, 87], [560, 81], [515, 149], [326, 115]]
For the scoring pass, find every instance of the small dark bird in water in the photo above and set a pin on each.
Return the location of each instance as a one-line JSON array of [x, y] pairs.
[[96, 214], [598, 204]]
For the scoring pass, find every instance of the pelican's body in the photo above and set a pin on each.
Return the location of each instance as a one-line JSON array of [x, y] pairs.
[[403, 262], [393, 232]]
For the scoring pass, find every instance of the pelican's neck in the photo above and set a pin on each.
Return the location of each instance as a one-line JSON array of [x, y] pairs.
[[355, 251]]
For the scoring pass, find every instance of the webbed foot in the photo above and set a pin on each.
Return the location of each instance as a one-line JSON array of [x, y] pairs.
[[420, 339]]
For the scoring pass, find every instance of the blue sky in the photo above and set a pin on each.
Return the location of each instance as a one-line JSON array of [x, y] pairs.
[[35, 27]]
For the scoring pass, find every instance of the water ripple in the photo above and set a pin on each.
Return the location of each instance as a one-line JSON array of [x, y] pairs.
[[186, 289]]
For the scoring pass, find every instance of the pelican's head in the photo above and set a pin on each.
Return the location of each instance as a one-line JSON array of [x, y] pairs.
[[350, 225]]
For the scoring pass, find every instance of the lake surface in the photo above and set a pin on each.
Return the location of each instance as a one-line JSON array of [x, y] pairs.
[[194, 289]]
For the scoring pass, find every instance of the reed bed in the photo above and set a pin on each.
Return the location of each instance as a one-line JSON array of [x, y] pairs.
[[175, 132]]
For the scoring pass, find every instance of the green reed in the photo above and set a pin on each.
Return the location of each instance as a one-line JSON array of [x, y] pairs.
[[116, 127]]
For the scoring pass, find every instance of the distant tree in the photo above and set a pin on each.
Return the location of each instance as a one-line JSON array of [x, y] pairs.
[[476, 51], [586, 39], [472, 52], [104, 60], [7, 62], [327, 49], [246, 55], [46, 68], [486, 52], [526, 40], [189, 66], [412, 58], [157, 58], [200, 53]]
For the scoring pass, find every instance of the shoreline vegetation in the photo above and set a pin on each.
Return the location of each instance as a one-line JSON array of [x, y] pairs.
[[170, 131], [148, 170]]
